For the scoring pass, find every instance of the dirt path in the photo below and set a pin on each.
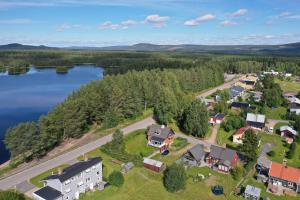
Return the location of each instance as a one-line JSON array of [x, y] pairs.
[[213, 138]]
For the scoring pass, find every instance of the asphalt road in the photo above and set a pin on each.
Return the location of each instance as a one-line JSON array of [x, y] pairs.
[[68, 157], [16, 179]]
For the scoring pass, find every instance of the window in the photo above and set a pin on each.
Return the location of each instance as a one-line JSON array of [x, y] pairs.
[[68, 190], [88, 179], [88, 170], [98, 173], [67, 182]]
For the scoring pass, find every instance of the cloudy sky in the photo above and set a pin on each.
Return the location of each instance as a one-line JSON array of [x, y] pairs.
[[122, 22]]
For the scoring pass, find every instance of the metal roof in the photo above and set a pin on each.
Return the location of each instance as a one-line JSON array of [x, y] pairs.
[[253, 191], [75, 169], [159, 131], [48, 193], [251, 117]]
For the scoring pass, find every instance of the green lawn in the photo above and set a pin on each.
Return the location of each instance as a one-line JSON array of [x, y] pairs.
[[142, 184], [179, 143], [280, 149], [37, 180], [136, 143], [225, 137], [288, 86], [276, 113]]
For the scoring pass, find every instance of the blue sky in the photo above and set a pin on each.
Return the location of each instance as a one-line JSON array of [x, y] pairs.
[[122, 22]]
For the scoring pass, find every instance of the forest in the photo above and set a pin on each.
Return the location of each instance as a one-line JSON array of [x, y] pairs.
[[107, 103], [120, 62]]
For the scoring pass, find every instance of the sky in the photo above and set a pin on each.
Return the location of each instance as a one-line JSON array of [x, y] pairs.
[[64, 23]]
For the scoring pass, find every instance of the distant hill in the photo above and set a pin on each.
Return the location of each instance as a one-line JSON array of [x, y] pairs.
[[16, 46], [293, 48], [289, 49]]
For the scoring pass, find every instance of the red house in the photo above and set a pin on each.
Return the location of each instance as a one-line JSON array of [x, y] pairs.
[[222, 159], [160, 136]]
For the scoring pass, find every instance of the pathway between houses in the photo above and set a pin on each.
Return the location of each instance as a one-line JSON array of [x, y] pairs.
[[213, 138]]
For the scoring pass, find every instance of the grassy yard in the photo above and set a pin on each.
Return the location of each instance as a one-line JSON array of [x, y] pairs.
[[288, 85], [37, 180], [225, 137], [280, 149], [136, 143], [276, 113], [179, 143], [142, 184]]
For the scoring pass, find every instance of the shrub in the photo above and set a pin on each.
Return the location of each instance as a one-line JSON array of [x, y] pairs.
[[116, 178], [175, 178], [238, 172], [11, 195], [271, 153]]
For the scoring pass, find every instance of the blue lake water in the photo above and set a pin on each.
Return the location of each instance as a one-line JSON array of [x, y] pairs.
[[26, 97]]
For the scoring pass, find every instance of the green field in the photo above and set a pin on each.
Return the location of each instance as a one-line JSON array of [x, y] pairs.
[[136, 143], [280, 149], [276, 113], [288, 85]]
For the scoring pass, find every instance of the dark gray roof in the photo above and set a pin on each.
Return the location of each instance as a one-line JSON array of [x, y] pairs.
[[197, 152], [237, 88], [75, 169], [159, 131], [219, 116], [242, 105], [225, 155], [48, 193], [158, 139]]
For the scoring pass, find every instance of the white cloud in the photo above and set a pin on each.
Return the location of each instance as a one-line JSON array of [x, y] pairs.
[[126, 24], [293, 17], [240, 12], [284, 14], [228, 23], [157, 20], [16, 21], [199, 20], [66, 26], [109, 25]]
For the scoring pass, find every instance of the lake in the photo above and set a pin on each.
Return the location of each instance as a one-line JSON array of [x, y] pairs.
[[26, 97]]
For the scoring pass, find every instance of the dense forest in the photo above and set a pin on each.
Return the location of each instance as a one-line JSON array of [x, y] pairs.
[[108, 102], [121, 62]]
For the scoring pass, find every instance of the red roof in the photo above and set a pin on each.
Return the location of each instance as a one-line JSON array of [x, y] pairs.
[[241, 131], [290, 174]]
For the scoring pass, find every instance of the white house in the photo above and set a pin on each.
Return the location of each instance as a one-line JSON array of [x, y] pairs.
[[69, 183]]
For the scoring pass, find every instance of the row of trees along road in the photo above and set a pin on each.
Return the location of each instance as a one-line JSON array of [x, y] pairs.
[[108, 102]]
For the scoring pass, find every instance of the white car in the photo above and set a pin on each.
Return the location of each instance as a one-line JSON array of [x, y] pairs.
[[271, 129]]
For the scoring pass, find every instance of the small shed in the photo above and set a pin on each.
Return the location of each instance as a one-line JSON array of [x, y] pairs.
[[154, 165], [252, 193], [127, 167]]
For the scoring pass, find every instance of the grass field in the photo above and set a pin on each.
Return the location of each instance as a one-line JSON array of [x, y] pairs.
[[225, 137], [276, 113], [37, 180], [288, 85], [136, 143], [142, 184], [280, 149]]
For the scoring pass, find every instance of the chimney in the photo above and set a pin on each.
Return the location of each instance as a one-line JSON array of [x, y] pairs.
[[85, 157], [59, 170], [284, 163]]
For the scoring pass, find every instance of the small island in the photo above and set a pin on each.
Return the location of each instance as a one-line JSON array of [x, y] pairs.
[[18, 70], [62, 70]]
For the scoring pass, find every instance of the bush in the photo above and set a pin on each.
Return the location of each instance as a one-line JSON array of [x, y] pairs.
[[116, 178], [271, 153], [175, 178], [11, 195], [238, 172], [233, 122], [290, 154]]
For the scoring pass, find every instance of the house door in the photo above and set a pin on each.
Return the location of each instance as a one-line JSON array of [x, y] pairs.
[[76, 195], [91, 186]]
